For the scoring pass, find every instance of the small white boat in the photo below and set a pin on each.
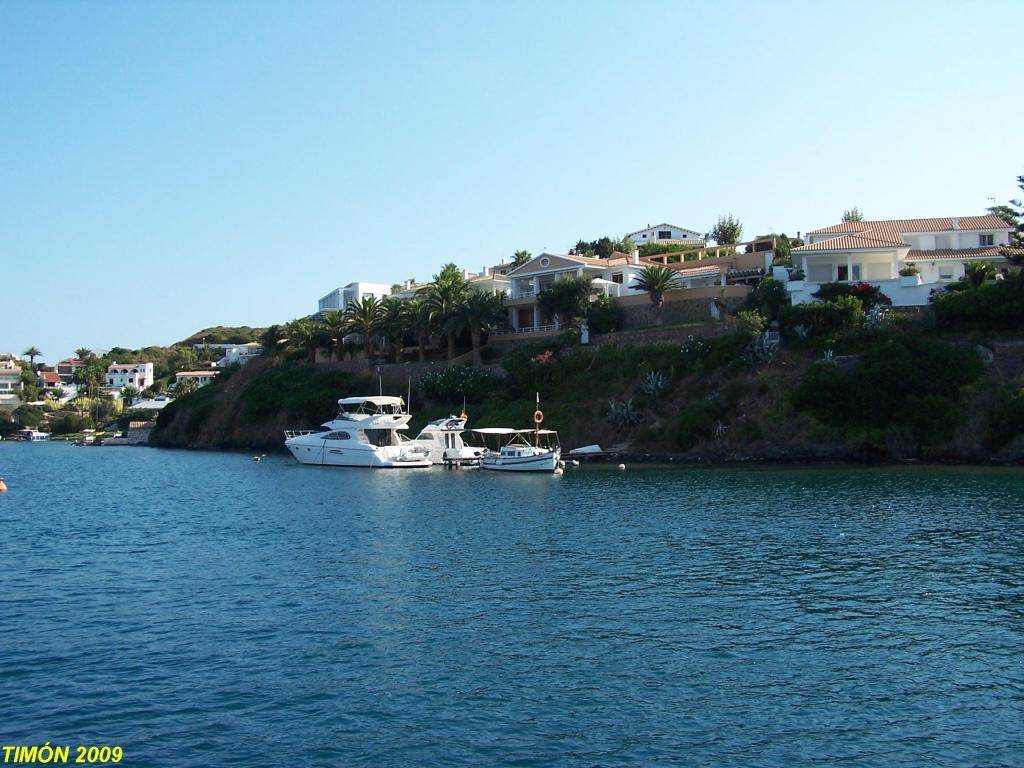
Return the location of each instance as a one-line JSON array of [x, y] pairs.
[[587, 450], [34, 436], [363, 434], [442, 439], [517, 454]]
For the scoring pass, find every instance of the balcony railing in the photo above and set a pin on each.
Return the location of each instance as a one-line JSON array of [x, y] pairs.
[[528, 329]]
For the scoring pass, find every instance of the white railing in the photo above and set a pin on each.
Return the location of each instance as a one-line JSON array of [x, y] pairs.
[[528, 329], [290, 433], [526, 293]]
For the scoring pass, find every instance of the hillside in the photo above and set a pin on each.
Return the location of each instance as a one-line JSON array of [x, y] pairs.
[[894, 394]]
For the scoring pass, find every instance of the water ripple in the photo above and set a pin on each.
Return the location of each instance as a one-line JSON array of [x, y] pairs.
[[200, 609]]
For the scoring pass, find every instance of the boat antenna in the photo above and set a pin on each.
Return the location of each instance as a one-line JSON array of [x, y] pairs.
[[408, 401]]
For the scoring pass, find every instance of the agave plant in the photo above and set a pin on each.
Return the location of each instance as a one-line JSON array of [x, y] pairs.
[[623, 414], [654, 384]]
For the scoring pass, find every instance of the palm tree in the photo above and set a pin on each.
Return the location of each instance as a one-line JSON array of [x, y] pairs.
[[420, 323], [520, 257], [185, 387], [443, 298], [84, 353], [337, 327], [975, 273], [567, 298], [657, 280], [364, 317], [479, 312], [395, 322], [272, 339], [128, 395], [306, 335], [32, 353]]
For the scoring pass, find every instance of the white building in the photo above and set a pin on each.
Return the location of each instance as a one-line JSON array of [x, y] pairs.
[[10, 377], [614, 276], [666, 233], [201, 378], [138, 375], [876, 251], [340, 298]]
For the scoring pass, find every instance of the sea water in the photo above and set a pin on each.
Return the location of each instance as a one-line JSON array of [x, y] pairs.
[[203, 609]]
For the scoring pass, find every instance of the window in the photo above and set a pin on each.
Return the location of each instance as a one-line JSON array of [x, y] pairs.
[[843, 275], [984, 240], [338, 436], [617, 278], [945, 273], [941, 242], [664, 234]]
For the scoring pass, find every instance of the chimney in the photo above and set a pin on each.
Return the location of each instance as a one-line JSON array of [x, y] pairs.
[[465, 274], [636, 255], [408, 284], [956, 222], [486, 272]]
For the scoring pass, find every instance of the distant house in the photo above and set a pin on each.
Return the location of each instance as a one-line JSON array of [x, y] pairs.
[[49, 380], [340, 299], [10, 377], [666, 233], [138, 375], [66, 369], [232, 354], [201, 378], [876, 251]]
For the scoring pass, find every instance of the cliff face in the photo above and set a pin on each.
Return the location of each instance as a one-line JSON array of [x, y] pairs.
[[252, 406], [661, 402]]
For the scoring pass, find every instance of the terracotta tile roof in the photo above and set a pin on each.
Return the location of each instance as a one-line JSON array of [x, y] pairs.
[[72, 361], [991, 252], [195, 374], [859, 240], [907, 226], [49, 376]]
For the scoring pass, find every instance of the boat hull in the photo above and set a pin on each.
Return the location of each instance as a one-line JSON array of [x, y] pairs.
[[318, 454], [546, 462]]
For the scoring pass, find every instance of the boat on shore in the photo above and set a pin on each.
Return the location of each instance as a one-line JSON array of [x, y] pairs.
[[34, 436], [363, 434]]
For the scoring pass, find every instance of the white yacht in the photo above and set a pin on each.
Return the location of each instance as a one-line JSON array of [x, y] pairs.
[[363, 434], [442, 438], [34, 436], [518, 454]]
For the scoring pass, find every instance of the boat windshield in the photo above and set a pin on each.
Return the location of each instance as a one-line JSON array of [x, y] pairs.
[[371, 407]]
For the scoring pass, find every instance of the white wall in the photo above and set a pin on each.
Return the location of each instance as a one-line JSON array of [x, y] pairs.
[[650, 235]]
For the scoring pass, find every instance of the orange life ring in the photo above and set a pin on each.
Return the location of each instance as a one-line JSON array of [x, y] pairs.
[[538, 416]]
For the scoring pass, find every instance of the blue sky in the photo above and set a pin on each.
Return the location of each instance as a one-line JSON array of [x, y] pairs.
[[170, 166]]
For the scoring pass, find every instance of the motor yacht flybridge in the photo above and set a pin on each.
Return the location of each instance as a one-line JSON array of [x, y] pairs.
[[363, 434]]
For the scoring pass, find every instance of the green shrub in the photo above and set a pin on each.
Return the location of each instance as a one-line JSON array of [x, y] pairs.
[[903, 380], [604, 315], [1007, 419], [696, 422], [769, 297], [990, 307], [70, 423], [751, 323], [817, 321], [452, 385]]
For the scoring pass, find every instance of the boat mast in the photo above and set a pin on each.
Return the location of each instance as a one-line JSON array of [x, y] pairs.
[[536, 426]]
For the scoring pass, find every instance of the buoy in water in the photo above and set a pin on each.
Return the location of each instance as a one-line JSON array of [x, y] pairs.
[[559, 471], [622, 466], [256, 458], [3, 485], [575, 462]]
